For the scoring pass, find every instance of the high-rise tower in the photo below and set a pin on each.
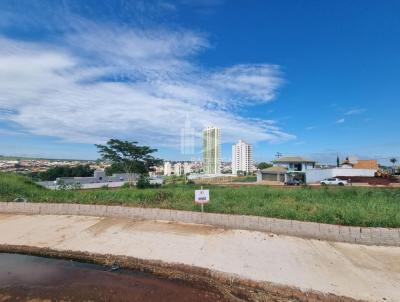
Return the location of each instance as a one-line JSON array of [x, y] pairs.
[[212, 150], [242, 157]]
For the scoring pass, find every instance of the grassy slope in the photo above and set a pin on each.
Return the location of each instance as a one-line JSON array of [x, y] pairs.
[[347, 206]]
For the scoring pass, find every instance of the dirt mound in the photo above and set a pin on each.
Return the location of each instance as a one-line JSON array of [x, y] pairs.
[[369, 180]]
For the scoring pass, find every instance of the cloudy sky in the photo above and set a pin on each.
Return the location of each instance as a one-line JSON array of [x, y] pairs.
[[298, 77]]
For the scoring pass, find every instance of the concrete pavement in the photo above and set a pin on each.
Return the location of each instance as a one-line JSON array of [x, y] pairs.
[[362, 272]]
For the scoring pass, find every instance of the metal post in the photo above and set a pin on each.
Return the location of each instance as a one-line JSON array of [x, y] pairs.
[[202, 207]]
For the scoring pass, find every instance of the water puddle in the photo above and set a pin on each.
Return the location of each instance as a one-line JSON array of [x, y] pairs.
[[31, 278]]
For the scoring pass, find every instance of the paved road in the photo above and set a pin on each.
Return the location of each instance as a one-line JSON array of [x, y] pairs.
[[362, 272]]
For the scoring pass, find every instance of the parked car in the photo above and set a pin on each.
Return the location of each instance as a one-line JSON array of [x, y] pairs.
[[293, 182], [333, 181]]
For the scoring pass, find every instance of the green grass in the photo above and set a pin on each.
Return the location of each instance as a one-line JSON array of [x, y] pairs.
[[346, 206], [175, 180]]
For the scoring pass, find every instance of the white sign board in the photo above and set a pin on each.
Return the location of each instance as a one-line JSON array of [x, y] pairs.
[[201, 196]]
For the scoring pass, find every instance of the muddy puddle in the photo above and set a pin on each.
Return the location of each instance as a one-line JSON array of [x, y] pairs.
[[31, 278]]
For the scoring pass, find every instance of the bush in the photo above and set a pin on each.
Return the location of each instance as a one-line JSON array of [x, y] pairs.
[[62, 186], [143, 182], [161, 196]]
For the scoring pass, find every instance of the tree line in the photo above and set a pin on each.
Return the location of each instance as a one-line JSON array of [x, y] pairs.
[[64, 171]]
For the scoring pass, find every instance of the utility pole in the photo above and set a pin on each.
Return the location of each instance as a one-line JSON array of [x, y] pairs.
[[278, 154]]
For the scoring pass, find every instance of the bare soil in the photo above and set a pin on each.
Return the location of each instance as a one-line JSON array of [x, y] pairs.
[[370, 180]]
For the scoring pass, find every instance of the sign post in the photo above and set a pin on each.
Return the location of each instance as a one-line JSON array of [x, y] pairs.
[[201, 196]]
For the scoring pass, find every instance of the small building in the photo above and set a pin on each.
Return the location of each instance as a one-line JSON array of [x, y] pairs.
[[347, 164], [98, 180], [285, 169]]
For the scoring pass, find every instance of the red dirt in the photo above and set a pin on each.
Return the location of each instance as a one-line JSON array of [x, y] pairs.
[[370, 180]]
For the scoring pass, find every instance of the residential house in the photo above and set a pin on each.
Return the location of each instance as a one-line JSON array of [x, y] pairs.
[[286, 168]]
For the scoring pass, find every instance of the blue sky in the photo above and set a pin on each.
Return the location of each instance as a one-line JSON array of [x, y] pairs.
[[312, 78]]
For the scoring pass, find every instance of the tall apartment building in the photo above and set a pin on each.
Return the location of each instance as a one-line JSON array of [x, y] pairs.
[[187, 168], [178, 169], [212, 150], [167, 168], [242, 157]]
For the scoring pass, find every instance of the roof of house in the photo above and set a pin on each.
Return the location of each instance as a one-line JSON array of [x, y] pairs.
[[293, 159], [274, 169], [347, 162]]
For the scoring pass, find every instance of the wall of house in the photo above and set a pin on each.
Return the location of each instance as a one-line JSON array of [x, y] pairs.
[[307, 166], [98, 180], [75, 180], [316, 175], [366, 164], [259, 176], [304, 166], [279, 177]]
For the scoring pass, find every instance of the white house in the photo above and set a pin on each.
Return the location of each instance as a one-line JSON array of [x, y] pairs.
[[287, 168]]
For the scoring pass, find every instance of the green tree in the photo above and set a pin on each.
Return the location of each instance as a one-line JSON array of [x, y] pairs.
[[130, 157], [114, 168], [66, 171], [263, 165], [143, 182]]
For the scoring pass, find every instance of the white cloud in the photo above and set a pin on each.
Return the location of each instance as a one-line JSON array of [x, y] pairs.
[[355, 111], [310, 128], [133, 84], [340, 121], [257, 83]]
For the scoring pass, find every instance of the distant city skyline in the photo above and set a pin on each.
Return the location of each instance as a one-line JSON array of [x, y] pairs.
[[309, 78]]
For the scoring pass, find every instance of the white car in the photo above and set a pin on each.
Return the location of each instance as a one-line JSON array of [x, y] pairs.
[[333, 181]]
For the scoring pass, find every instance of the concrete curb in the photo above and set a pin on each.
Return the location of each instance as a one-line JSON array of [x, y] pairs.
[[312, 230]]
